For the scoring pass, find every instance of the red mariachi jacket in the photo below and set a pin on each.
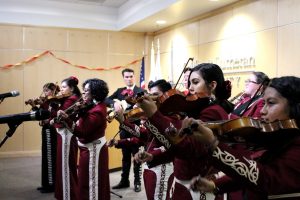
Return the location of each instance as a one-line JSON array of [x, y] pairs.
[[142, 136], [252, 111], [91, 125], [187, 152], [275, 174]]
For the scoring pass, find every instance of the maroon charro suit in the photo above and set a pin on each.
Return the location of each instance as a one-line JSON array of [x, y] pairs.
[[49, 140], [93, 174], [157, 179], [274, 175], [66, 160], [252, 111], [186, 162]]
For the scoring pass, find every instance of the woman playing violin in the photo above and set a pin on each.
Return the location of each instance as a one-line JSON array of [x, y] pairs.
[[205, 79], [157, 178], [90, 131], [249, 105], [48, 142], [67, 148], [251, 101], [275, 175]]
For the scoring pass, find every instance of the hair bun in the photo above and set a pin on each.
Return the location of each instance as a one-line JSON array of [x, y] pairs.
[[75, 79], [227, 88]]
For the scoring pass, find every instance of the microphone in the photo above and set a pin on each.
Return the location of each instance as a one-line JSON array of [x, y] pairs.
[[9, 94], [29, 116]]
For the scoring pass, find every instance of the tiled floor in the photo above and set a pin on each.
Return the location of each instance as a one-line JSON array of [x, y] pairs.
[[19, 178]]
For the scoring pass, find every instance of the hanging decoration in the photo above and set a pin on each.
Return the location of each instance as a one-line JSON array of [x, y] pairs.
[[9, 66]]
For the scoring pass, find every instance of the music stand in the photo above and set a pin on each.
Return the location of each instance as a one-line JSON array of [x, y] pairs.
[[120, 196]]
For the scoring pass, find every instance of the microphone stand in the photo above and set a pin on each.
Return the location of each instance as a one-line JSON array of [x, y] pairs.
[[10, 132], [120, 196]]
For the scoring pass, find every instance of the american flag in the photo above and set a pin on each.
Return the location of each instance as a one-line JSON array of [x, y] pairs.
[[142, 74]]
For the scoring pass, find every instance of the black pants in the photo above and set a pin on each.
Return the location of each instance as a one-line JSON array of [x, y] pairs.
[[126, 161], [48, 156]]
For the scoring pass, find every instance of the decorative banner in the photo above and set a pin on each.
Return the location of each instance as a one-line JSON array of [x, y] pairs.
[[8, 66]]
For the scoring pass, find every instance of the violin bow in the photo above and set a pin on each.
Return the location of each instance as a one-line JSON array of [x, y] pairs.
[[116, 134], [183, 71], [142, 149]]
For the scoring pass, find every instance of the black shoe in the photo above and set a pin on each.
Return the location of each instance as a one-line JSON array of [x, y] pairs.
[[122, 184], [46, 190], [137, 187], [39, 188]]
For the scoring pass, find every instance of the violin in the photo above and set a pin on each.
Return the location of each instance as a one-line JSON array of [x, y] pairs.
[[57, 97], [244, 129], [79, 107], [175, 102], [41, 100], [134, 114], [36, 101]]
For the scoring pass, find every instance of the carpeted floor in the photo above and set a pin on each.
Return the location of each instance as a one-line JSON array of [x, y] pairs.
[[19, 178]]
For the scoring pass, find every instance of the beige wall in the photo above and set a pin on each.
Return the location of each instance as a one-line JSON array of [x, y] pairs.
[[266, 30], [82, 47]]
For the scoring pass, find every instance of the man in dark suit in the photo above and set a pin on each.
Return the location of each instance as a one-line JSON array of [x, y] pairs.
[[130, 90]]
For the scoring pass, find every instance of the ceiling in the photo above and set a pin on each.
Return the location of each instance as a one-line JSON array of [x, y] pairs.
[[116, 15]]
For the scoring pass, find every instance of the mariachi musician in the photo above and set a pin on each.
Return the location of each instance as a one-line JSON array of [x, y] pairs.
[[249, 105], [93, 175], [275, 174], [251, 101], [48, 136], [67, 148], [204, 79], [157, 179], [120, 94]]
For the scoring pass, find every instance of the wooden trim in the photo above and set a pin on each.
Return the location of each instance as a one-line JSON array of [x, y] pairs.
[[115, 169], [15, 154]]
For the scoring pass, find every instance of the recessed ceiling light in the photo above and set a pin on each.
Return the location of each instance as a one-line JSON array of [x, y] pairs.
[[160, 22]]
